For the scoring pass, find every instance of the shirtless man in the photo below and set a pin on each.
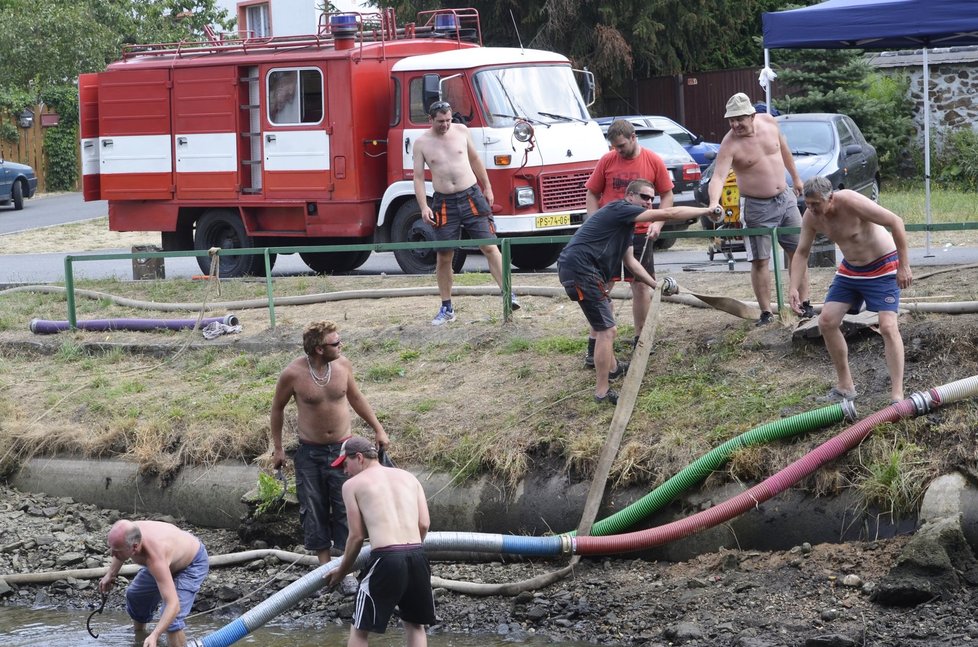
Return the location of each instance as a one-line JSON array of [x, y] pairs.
[[387, 505], [322, 383], [174, 566], [758, 153], [875, 267], [458, 203]]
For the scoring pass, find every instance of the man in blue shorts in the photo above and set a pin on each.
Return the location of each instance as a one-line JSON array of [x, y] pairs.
[[874, 268], [457, 203], [174, 566], [387, 505], [589, 264]]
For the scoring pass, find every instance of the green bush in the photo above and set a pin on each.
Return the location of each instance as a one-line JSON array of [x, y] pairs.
[[61, 141], [955, 166]]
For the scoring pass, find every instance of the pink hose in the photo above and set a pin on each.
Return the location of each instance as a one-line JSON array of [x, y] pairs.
[[743, 502]]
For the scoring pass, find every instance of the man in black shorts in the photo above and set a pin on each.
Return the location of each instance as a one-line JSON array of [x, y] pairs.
[[458, 203], [591, 259], [388, 505]]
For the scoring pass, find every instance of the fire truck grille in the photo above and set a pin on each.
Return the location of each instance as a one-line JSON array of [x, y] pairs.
[[563, 192]]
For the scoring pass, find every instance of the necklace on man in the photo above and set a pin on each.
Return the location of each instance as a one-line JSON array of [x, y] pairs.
[[320, 381]]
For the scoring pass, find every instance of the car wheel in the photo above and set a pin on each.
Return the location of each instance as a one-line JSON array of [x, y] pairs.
[[223, 228], [410, 227], [664, 243], [875, 191], [18, 196]]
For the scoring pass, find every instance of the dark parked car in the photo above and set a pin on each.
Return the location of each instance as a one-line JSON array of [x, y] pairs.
[[17, 183], [683, 168], [701, 151], [828, 144]]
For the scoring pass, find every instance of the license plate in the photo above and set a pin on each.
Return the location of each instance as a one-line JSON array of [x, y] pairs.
[[554, 220]]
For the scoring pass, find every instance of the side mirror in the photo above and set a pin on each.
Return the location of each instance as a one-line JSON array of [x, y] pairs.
[[710, 155], [430, 90], [853, 149]]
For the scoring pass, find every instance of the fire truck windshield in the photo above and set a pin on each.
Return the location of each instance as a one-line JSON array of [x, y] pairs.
[[523, 92]]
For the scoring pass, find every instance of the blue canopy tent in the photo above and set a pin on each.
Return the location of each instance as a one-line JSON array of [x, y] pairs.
[[876, 24]]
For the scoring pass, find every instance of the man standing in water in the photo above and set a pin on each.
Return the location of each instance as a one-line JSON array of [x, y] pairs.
[[387, 505], [458, 203], [321, 382], [174, 566]]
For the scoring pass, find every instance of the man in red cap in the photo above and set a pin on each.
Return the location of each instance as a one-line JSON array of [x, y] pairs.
[[388, 505]]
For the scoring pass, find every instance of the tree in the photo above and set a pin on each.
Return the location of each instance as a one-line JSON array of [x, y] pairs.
[[47, 43]]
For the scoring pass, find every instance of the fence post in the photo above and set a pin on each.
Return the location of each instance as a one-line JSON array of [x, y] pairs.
[[507, 286]]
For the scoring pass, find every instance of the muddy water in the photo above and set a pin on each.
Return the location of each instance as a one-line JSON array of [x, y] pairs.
[[22, 627]]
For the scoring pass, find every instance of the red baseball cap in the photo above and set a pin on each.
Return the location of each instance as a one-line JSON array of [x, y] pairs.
[[352, 446]]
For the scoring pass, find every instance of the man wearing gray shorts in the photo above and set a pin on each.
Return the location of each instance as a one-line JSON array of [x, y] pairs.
[[758, 153]]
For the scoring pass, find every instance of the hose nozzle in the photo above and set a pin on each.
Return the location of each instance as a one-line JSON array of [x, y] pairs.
[[669, 286]]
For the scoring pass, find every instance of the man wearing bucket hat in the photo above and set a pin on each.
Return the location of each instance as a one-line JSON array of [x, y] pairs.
[[758, 153], [387, 505]]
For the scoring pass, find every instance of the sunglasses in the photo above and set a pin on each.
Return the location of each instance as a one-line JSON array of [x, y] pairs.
[[334, 344], [439, 106], [645, 197]]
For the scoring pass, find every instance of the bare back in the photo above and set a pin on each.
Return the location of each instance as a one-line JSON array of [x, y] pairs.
[[391, 503], [448, 157], [757, 159], [849, 223], [176, 547], [323, 414]]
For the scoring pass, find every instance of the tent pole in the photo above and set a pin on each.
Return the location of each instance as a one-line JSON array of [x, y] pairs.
[[767, 86], [926, 82]]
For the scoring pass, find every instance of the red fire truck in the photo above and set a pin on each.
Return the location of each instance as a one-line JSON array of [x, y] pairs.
[[307, 140]]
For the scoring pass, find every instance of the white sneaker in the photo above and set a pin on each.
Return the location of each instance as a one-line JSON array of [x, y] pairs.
[[443, 317]]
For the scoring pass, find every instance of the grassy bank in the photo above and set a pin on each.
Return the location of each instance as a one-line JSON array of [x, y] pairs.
[[476, 397]]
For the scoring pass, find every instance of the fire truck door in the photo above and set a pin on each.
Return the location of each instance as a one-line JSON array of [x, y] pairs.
[[88, 126], [135, 146], [205, 131], [295, 142]]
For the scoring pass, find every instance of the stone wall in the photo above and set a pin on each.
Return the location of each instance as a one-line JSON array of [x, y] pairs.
[[953, 86]]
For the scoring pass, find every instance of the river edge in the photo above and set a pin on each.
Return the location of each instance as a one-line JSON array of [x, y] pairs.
[[809, 593]]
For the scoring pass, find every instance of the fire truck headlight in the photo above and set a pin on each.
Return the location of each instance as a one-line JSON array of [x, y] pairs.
[[524, 196], [522, 131]]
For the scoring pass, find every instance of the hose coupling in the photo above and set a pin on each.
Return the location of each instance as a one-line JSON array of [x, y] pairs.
[[922, 402], [566, 545], [848, 409], [669, 286]]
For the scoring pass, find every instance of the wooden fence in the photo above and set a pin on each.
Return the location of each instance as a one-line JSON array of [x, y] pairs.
[[29, 147]]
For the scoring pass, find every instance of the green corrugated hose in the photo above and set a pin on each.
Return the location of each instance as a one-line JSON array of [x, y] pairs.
[[701, 468]]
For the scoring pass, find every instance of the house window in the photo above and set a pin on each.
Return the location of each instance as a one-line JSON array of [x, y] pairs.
[[256, 21]]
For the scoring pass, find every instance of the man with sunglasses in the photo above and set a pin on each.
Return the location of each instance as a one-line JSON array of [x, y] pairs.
[[589, 264], [321, 383], [457, 203], [629, 161]]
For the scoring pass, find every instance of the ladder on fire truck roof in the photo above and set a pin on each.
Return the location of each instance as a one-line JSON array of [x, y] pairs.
[[459, 24]]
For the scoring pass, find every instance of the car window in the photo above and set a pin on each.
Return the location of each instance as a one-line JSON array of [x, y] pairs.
[[679, 133], [808, 137], [662, 144], [845, 134]]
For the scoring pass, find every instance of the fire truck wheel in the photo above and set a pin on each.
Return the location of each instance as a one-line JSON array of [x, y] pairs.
[[18, 196], [223, 228], [334, 262], [535, 257], [408, 227], [664, 243]]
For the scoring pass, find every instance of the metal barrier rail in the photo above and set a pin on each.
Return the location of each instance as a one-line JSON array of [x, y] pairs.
[[504, 243]]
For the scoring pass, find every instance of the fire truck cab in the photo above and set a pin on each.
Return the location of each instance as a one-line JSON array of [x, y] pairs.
[[294, 141]]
